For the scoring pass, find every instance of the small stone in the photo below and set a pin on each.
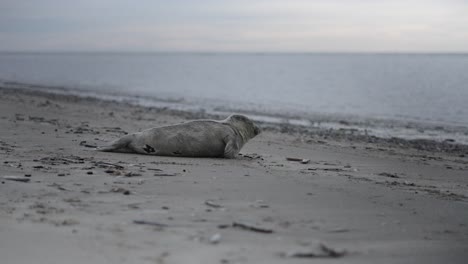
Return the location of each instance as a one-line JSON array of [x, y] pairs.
[[214, 239]]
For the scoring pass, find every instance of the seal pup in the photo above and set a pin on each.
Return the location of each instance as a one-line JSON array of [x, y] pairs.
[[198, 138]]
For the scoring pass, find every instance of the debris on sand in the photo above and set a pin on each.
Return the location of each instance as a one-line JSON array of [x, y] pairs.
[[339, 230], [326, 169], [113, 172], [259, 204], [6, 147], [150, 223], [132, 174], [61, 160], [322, 251], [162, 174], [17, 178], [154, 169], [213, 204], [106, 165], [302, 161], [121, 190], [84, 144], [389, 175], [58, 186], [253, 228], [65, 222]]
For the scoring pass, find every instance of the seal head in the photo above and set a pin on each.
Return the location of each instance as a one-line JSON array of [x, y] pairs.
[[243, 126], [244, 130]]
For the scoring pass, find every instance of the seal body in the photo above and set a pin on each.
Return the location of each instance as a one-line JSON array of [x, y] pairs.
[[198, 138]]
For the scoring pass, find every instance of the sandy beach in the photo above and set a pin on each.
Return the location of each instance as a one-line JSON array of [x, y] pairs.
[[355, 201]]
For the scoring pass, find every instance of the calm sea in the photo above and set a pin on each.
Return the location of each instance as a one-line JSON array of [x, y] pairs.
[[424, 88]]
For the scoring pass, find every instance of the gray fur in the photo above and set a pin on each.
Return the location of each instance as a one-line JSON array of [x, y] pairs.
[[198, 138]]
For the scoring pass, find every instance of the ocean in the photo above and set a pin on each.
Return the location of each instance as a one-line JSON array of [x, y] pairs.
[[389, 95]]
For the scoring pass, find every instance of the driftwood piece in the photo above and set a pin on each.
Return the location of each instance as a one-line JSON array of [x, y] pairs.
[[303, 161], [253, 228], [322, 251], [16, 178], [211, 203], [150, 223]]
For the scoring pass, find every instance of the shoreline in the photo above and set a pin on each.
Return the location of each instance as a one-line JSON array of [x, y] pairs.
[[335, 127], [368, 202]]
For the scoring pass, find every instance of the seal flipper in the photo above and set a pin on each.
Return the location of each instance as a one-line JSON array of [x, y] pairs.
[[120, 145], [232, 149], [149, 149]]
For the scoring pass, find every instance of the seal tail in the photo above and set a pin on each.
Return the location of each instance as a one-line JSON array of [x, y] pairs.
[[120, 145]]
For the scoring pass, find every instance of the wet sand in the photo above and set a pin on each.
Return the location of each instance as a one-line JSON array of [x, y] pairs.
[[363, 201]]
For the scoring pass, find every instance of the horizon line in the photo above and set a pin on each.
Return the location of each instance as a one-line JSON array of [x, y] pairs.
[[230, 52]]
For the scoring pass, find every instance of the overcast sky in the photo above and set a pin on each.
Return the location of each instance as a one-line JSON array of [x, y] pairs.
[[235, 25]]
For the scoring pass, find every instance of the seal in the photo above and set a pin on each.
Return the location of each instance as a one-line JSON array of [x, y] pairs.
[[198, 138]]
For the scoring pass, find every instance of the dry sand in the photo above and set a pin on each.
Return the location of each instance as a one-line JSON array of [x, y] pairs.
[[374, 204]]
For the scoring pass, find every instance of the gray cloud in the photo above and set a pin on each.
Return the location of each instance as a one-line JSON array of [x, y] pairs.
[[243, 25]]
